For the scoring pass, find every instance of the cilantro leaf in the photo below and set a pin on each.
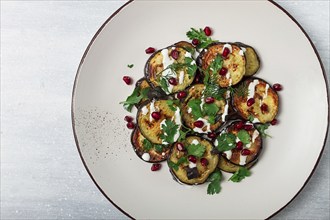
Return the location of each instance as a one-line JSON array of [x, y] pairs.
[[214, 185], [196, 111], [183, 134], [172, 104], [196, 150], [130, 65], [244, 136], [159, 147], [164, 84], [147, 145], [240, 174], [216, 66], [175, 166], [211, 111], [204, 40], [251, 118], [135, 98], [169, 129], [226, 141], [262, 129], [191, 66]]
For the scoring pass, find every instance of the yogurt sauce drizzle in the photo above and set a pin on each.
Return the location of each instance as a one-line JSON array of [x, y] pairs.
[[228, 154], [168, 73], [145, 110], [146, 156], [251, 88], [206, 124], [242, 159]]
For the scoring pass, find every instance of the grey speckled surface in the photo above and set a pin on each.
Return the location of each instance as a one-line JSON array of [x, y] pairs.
[[42, 176]]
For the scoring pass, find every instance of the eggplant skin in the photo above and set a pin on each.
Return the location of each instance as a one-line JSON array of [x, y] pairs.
[[181, 174], [235, 63], [186, 45], [137, 141], [226, 166], [271, 100], [252, 59], [154, 69], [151, 129]]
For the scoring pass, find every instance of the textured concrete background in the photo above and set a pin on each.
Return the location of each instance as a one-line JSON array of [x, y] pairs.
[[42, 176]]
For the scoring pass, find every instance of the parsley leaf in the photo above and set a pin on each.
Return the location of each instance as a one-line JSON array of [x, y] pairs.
[[211, 111], [251, 118], [226, 141], [147, 145], [216, 65], [191, 66], [135, 98], [204, 40], [169, 129], [196, 150], [164, 85], [240, 174], [214, 185], [175, 166], [183, 134], [196, 110], [244, 136], [262, 129], [158, 148], [130, 65], [172, 104]]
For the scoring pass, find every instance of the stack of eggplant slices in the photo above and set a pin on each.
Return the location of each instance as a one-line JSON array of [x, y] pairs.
[[201, 110]]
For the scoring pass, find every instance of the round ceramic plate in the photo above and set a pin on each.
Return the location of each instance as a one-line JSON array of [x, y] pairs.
[[288, 158]]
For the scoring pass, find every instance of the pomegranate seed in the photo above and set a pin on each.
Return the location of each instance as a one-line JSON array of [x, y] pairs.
[[155, 115], [130, 125], [199, 124], [223, 71], [180, 146], [209, 100], [274, 121], [250, 102], [212, 135], [239, 125], [150, 50], [175, 54], [172, 81], [198, 78], [182, 95], [225, 52], [239, 145], [207, 31], [248, 127], [156, 166], [264, 107], [127, 80], [204, 162], [245, 152], [277, 87], [195, 42], [128, 118], [192, 158]]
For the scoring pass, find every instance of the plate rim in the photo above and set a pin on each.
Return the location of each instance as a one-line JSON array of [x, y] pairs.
[[91, 43]]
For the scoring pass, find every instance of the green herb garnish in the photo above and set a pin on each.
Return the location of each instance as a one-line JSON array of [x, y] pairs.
[[214, 185], [262, 129], [135, 98], [175, 166], [169, 129], [204, 40], [196, 110], [244, 136], [240, 174], [214, 90], [242, 90], [196, 150], [226, 141], [147, 145], [130, 65], [159, 148], [172, 104], [251, 118], [164, 84], [211, 111]]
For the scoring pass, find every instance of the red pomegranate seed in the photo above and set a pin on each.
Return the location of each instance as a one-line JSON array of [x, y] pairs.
[[150, 50], [175, 54], [172, 81], [212, 135], [239, 125], [180, 147], [248, 127], [245, 152], [223, 71], [209, 100], [155, 115], [225, 52], [199, 124], [128, 118], [207, 31], [182, 95], [204, 162], [264, 107], [127, 80], [274, 121], [156, 166], [250, 102], [130, 125], [195, 42], [192, 158], [239, 145], [277, 87]]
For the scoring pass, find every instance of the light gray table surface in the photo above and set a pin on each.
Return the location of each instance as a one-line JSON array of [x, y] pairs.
[[42, 176]]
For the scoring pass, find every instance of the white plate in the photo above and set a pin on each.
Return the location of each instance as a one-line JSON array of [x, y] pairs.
[[288, 159]]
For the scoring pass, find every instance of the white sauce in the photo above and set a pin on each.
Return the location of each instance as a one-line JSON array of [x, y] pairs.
[[152, 109], [195, 142], [225, 112], [206, 124], [228, 75], [255, 120], [242, 160], [216, 143], [228, 46], [202, 101], [181, 76], [228, 154], [255, 135], [243, 49], [248, 145], [227, 94], [145, 110], [146, 157], [241, 52], [168, 72], [189, 110], [230, 82], [266, 92], [192, 165], [163, 123], [251, 88]]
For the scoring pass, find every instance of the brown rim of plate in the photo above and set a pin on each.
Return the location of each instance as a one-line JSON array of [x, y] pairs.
[[101, 28]]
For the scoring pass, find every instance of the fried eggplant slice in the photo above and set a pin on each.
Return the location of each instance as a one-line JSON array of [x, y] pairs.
[[227, 166], [252, 59]]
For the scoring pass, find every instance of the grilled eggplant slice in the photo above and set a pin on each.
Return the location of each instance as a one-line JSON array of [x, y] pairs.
[[196, 93], [172, 68], [186, 45], [252, 59], [266, 101], [142, 84], [168, 117], [227, 166], [146, 150], [192, 173], [234, 62], [250, 139]]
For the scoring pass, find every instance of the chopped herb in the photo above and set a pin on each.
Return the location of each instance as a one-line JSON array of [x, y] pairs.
[[183, 134], [159, 148], [214, 90], [147, 145], [211, 111], [216, 66], [240, 174], [196, 110], [251, 118], [214, 185], [191, 66], [226, 141], [164, 84], [196, 150], [130, 65], [244, 136], [169, 130], [135, 98], [172, 104], [242, 90], [262, 129], [175, 166], [204, 40]]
